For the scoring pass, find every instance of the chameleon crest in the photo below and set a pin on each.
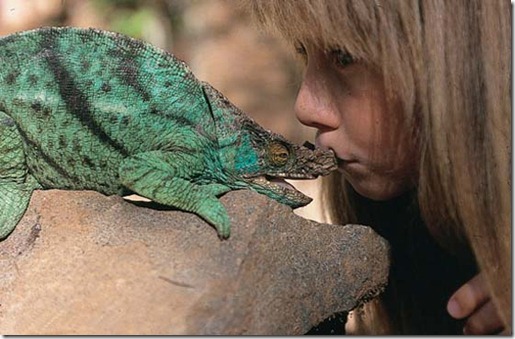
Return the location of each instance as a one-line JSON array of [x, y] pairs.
[[85, 109]]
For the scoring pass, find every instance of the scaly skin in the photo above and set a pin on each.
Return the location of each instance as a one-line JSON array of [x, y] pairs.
[[84, 109]]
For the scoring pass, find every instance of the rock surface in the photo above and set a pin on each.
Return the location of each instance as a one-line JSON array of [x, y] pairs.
[[83, 263]]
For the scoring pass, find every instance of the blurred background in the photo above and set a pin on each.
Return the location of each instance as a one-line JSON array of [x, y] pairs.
[[217, 38]]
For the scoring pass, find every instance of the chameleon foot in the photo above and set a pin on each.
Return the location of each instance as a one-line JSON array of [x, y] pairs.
[[157, 176], [16, 185], [14, 200]]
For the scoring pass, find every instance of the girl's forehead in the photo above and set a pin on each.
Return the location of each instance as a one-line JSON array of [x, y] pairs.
[[326, 24]]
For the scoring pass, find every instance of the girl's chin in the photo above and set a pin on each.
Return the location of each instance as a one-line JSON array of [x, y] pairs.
[[374, 187], [374, 194]]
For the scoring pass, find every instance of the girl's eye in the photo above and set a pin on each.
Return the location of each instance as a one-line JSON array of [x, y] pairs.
[[300, 48], [342, 58]]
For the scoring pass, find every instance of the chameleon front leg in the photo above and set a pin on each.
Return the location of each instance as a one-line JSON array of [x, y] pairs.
[[165, 177], [16, 185]]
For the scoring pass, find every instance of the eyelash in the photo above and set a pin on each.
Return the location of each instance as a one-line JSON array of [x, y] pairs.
[[300, 49], [340, 57]]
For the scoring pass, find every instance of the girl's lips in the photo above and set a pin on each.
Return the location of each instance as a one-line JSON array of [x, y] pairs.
[[341, 162], [349, 167]]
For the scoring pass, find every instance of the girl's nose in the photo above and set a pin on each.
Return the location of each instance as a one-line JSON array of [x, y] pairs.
[[314, 106]]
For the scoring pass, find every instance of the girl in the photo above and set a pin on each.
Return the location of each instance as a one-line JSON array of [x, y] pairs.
[[414, 98]]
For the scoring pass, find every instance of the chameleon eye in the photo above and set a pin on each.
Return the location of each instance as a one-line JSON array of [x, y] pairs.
[[278, 154]]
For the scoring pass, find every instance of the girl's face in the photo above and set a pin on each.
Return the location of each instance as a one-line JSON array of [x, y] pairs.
[[346, 102]]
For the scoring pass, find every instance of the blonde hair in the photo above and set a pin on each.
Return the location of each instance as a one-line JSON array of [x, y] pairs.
[[449, 64]]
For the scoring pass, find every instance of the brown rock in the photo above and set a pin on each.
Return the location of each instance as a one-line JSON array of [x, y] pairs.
[[83, 263]]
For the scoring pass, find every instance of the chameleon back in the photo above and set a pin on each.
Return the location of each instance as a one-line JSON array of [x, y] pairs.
[[84, 100]]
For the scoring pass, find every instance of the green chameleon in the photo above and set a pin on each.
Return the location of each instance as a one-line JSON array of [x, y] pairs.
[[85, 109]]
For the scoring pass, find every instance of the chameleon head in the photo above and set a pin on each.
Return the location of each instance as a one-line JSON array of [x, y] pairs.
[[255, 158], [265, 159]]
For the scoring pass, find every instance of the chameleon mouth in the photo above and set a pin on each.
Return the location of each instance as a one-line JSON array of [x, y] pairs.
[[280, 182], [299, 176], [286, 192]]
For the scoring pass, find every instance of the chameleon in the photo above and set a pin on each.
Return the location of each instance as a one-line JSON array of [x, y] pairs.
[[87, 109]]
